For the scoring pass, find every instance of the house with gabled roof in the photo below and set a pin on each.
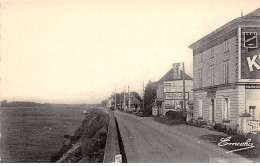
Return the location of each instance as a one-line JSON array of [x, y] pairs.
[[170, 92]]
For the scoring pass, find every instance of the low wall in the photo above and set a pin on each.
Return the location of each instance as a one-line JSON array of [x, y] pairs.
[[112, 150]]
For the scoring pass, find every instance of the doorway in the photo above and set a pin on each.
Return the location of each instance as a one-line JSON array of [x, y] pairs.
[[212, 109]]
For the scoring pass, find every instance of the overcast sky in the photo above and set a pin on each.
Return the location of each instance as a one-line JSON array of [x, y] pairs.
[[79, 51]]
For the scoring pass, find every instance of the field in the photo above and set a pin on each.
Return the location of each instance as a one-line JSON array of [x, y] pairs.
[[34, 134]]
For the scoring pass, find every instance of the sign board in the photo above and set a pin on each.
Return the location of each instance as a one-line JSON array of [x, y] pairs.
[[176, 96], [177, 67], [169, 89], [249, 53], [169, 104], [252, 86]]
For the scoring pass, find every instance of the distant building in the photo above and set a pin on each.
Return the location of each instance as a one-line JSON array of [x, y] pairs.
[[135, 103], [4, 103], [110, 103], [170, 92], [226, 71]]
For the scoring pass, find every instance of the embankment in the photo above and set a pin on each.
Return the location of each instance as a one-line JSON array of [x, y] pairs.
[[88, 143]]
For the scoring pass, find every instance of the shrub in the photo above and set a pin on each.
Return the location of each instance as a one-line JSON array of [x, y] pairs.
[[174, 115], [232, 129], [94, 149], [197, 122], [220, 127]]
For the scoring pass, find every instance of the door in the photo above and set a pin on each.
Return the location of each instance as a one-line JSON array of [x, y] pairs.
[[212, 109]]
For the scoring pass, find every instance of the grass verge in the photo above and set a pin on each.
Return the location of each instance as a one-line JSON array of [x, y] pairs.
[[88, 142]]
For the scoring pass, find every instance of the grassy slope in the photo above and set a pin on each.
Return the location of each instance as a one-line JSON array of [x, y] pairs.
[[88, 142]]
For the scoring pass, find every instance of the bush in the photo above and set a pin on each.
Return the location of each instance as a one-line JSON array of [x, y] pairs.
[[220, 127], [174, 115], [169, 122], [232, 129], [197, 122], [93, 150]]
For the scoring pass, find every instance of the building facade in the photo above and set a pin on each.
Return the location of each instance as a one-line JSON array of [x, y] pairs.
[[170, 92], [135, 103], [226, 72]]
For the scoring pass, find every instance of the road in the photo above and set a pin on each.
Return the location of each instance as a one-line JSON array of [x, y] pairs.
[[145, 141]]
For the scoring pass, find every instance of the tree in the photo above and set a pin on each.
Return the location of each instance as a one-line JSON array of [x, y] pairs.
[[149, 97], [104, 103]]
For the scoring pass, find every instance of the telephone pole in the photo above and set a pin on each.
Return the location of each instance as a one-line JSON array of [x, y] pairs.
[[115, 98], [129, 99], [143, 95], [183, 79], [124, 99]]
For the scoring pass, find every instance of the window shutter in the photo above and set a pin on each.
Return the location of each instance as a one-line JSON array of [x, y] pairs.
[[229, 111], [223, 108]]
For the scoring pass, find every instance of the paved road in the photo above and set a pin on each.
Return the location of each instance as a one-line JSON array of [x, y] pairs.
[[145, 140]]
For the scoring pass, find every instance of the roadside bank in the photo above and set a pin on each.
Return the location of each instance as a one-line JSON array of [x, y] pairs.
[[87, 145]]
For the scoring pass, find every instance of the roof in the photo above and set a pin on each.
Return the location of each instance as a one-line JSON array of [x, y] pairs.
[[252, 18], [169, 77], [135, 101]]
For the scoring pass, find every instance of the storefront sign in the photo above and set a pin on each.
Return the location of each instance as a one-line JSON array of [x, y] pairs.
[[252, 86], [169, 89], [249, 53], [169, 104], [176, 96], [177, 67]]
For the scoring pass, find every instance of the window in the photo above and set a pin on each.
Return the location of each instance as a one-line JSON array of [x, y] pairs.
[[212, 52], [200, 108], [252, 111], [211, 75], [226, 72], [226, 48], [200, 57], [200, 77], [226, 109]]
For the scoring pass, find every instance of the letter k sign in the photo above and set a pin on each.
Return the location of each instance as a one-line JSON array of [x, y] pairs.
[[253, 62]]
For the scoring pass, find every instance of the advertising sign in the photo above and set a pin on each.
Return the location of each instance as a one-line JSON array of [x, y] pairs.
[[169, 104], [252, 86], [176, 96], [177, 67], [249, 53], [169, 89]]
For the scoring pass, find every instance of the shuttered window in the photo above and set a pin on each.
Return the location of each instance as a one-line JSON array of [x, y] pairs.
[[226, 72], [200, 108]]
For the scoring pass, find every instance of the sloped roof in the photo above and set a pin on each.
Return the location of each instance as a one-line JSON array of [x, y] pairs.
[[169, 77], [252, 18], [135, 101], [253, 14]]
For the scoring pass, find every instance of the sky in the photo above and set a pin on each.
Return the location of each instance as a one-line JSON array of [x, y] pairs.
[[80, 51]]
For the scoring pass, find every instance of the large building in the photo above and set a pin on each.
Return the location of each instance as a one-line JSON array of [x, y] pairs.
[[170, 91], [226, 72]]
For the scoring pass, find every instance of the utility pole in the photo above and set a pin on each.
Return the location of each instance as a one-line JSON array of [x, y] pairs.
[[143, 95], [183, 79], [115, 98], [129, 99], [124, 99]]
